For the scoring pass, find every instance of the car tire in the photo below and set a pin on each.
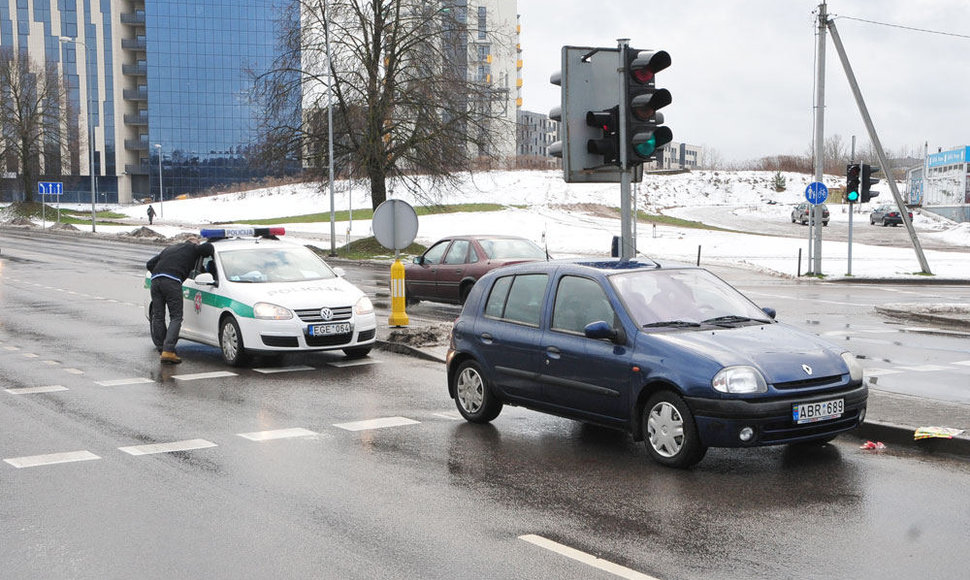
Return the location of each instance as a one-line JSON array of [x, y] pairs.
[[872, 222], [669, 431], [358, 352], [884, 222], [473, 395], [231, 342], [463, 292]]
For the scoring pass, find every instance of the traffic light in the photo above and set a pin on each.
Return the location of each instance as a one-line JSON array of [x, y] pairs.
[[867, 181], [852, 182], [644, 131], [608, 146]]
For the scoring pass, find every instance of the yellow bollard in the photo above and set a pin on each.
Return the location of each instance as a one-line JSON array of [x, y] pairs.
[[398, 316]]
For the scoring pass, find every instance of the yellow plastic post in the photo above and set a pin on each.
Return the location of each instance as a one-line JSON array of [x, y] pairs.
[[398, 316]]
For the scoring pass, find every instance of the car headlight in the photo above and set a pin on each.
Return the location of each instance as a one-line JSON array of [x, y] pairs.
[[363, 306], [739, 380], [267, 311], [855, 369]]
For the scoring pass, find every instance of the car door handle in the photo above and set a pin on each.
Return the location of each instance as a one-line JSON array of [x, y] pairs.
[[553, 353], [486, 338]]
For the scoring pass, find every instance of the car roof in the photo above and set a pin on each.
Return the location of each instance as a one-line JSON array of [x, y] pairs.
[[250, 242], [600, 266]]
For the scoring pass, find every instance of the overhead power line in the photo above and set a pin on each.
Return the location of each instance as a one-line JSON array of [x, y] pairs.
[[907, 27]]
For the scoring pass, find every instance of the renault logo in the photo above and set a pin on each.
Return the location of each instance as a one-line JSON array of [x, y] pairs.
[[327, 314], [807, 369]]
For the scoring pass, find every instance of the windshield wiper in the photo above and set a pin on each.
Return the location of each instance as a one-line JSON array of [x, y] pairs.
[[673, 324], [732, 319]]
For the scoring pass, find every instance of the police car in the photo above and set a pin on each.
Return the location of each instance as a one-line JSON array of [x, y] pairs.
[[258, 293]]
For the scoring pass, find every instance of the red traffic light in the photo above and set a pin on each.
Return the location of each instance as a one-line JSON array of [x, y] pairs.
[[646, 64]]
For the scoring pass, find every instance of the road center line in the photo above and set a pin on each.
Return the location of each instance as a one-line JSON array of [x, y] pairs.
[[353, 363], [187, 445], [51, 459], [277, 434], [32, 390], [376, 423], [197, 376], [585, 558]]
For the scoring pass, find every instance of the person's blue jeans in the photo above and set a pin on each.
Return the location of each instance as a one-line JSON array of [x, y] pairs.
[[166, 293]]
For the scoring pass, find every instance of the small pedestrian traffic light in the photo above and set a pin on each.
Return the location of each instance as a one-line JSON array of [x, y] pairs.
[[644, 131], [867, 181], [852, 172], [608, 146]]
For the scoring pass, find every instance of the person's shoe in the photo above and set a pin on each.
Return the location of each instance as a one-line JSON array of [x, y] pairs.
[[171, 358]]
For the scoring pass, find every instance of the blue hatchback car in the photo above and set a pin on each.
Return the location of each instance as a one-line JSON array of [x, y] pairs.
[[674, 355]]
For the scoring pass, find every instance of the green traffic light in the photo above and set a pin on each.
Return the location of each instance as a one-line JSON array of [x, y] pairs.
[[646, 148], [853, 196]]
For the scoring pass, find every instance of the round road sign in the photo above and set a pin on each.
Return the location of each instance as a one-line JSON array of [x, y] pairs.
[[395, 224]]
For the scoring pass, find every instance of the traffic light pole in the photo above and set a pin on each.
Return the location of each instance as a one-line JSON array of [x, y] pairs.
[[627, 243], [874, 138]]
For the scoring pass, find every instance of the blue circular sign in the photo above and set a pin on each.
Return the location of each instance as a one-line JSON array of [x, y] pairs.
[[816, 193]]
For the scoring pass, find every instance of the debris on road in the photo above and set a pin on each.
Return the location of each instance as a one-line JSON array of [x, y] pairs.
[[873, 445], [936, 433]]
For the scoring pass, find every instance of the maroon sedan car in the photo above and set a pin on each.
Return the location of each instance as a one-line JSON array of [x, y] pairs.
[[447, 271]]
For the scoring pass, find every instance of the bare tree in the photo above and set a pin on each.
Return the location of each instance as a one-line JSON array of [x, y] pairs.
[[34, 137], [403, 103]]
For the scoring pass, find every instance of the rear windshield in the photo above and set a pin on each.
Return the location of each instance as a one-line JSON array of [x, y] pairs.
[[507, 249]]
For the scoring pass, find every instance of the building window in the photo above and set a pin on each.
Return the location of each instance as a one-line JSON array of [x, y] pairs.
[[481, 22]]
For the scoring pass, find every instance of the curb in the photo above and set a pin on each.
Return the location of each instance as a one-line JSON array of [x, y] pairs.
[[408, 350], [902, 436]]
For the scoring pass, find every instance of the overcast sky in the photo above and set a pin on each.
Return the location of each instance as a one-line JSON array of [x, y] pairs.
[[743, 71]]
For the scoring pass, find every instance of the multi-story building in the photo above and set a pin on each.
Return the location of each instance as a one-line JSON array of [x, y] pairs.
[[534, 134], [679, 156], [946, 187], [152, 80]]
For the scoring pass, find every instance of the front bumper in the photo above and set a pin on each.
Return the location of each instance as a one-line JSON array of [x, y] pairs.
[[719, 421], [291, 335]]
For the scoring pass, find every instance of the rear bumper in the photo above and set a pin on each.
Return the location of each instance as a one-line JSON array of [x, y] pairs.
[[719, 421]]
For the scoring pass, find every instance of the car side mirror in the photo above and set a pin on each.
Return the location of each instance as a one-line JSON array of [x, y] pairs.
[[340, 272], [601, 330], [418, 260], [770, 312], [205, 279]]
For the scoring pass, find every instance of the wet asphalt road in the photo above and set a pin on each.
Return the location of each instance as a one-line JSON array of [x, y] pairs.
[[279, 483]]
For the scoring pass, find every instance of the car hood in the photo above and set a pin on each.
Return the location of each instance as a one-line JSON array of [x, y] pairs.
[[781, 352], [295, 295]]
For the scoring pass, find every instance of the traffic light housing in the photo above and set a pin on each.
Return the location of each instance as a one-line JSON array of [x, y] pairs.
[[867, 181], [645, 134], [852, 173], [607, 146]]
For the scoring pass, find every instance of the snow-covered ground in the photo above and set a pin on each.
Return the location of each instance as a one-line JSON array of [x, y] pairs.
[[568, 219]]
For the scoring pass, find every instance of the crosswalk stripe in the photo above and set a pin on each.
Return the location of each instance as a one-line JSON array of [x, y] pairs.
[[197, 376], [122, 382], [152, 448], [277, 434], [376, 423], [33, 390], [275, 370], [51, 459]]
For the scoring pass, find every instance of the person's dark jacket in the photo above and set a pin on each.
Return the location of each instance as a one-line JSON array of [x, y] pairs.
[[178, 260]]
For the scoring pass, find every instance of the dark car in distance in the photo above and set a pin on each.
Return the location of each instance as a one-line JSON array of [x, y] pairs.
[[448, 269], [887, 215], [673, 355], [800, 213]]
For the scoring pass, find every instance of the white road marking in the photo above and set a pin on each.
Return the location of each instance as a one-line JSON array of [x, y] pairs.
[[11, 348], [277, 434], [74, 371], [29, 355], [51, 459], [451, 416], [923, 368], [965, 363], [588, 559], [354, 362], [293, 369], [880, 372], [52, 363], [197, 376], [376, 423], [32, 390], [187, 445], [121, 382]]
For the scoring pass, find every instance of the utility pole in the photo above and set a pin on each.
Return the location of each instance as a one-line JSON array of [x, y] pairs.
[[815, 219]]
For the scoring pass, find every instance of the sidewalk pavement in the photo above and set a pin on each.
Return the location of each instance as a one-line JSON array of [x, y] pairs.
[[890, 419]]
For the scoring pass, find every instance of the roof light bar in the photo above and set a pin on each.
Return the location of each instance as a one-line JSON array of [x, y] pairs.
[[241, 232]]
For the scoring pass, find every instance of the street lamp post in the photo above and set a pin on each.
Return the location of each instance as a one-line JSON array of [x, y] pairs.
[[90, 129], [161, 192]]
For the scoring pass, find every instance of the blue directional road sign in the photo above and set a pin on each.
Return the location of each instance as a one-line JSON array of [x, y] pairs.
[[816, 193], [50, 188]]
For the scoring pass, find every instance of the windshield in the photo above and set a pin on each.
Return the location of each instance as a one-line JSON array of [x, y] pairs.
[[510, 249], [683, 298], [266, 265]]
